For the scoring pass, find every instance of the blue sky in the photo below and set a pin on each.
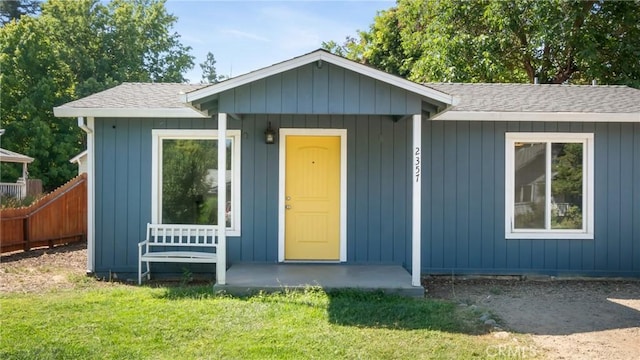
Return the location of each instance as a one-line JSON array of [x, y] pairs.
[[248, 35]]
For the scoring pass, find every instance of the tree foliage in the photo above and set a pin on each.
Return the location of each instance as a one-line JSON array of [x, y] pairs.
[[567, 170], [503, 41], [186, 191], [73, 49], [209, 73], [14, 9]]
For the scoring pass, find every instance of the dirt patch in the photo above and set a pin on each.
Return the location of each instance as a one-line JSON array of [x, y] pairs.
[[42, 270], [566, 319]]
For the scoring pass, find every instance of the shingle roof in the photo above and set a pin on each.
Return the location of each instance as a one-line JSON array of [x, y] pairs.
[[137, 96], [136, 99], [542, 98]]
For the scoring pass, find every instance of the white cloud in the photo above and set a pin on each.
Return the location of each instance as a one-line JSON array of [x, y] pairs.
[[188, 39], [244, 35], [304, 27]]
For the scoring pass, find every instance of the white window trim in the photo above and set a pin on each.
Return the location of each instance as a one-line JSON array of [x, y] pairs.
[[201, 134], [587, 184]]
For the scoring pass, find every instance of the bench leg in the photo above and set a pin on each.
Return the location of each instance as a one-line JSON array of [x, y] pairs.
[[144, 274]]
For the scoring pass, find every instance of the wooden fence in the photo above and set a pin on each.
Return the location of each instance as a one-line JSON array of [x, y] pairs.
[[34, 187], [59, 217]]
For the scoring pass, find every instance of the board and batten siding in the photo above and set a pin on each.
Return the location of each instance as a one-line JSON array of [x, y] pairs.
[[123, 187], [378, 187], [463, 203], [310, 89]]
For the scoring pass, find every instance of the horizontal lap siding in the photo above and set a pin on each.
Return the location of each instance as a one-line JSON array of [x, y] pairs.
[[310, 89], [378, 204], [463, 203]]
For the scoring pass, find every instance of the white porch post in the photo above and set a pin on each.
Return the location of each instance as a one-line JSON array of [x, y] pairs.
[[221, 264], [22, 192], [416, 173], [91, 197], [88, 128]]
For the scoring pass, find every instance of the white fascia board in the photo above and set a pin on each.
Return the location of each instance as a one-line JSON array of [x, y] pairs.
[[77, 157], [453, 115], [389, 79], [250, 77], [319, 56], [186, 112], [16, 159]]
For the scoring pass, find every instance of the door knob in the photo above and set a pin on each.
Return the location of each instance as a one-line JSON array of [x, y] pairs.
[[288, 207], [288, 198]]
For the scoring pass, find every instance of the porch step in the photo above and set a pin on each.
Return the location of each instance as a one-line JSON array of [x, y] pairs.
[[246, 279]]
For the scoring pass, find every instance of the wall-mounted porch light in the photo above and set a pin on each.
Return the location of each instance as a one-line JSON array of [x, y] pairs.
[[269, 135]]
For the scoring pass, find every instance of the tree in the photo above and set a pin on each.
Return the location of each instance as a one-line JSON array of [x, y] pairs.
[[209, 74], [351, 48], [124, 40], [566, 185], [72, 49], [34, 79], [186, 191], [14, 9], [505, 41]]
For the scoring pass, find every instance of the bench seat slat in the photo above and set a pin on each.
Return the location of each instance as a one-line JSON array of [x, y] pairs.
[[180, 256], [182, 244]]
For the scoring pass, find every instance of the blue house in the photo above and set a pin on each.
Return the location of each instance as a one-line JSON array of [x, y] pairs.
[[329, 160]]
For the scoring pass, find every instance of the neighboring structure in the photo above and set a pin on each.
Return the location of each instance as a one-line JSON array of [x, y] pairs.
[[19, 189], [369, 168], [81, 160]]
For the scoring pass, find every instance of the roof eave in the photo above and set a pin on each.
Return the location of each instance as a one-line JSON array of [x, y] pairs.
[[15, 160], [453, 115], [186, 112], [14, 157], [78, 157], [318, 55]]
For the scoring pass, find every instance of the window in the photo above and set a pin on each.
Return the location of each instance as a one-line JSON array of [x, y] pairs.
[[549, 186], [185, 178]]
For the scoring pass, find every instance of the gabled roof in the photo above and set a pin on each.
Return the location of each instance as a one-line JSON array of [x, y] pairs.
[[10, 156], [320, 55], [544, 102], [133, 100], [483, 102]]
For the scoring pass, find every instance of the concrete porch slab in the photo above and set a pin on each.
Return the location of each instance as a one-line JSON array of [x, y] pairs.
[[243, 279]]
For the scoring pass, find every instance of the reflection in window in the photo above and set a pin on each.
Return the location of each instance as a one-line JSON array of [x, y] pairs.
[[530, 185], [189, 171], [566, 186], [549, 185], [531, 209]]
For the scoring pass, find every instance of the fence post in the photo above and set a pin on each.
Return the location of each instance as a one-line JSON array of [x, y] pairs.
[[25, 233]]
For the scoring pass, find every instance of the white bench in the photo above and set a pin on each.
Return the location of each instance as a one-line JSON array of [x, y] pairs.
[[165, 236]]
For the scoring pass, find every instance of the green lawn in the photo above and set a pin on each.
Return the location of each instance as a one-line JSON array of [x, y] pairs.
[[128, 322]]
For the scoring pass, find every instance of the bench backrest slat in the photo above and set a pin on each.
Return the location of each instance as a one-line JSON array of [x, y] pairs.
[[181, 235]]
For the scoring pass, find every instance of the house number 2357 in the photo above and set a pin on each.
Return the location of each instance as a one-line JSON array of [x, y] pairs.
[[417, 163]]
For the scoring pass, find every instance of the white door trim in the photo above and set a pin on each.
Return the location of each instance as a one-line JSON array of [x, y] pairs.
[[343, 184]]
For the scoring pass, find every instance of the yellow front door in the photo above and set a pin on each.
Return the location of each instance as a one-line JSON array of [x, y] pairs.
[[312, 197]]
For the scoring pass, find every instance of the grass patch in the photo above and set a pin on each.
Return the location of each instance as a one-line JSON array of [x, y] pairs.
[[127, 322]]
